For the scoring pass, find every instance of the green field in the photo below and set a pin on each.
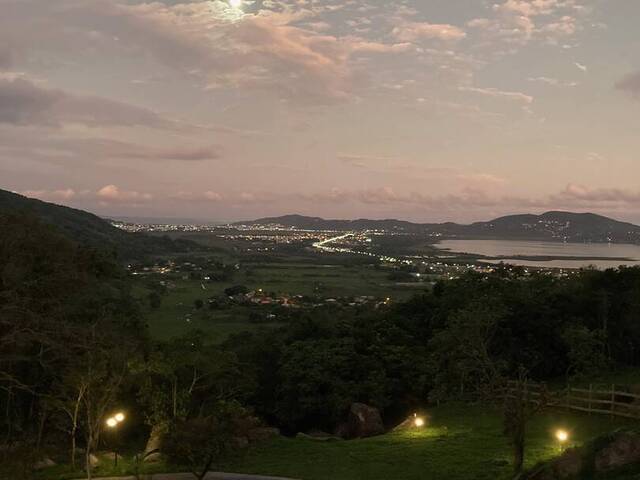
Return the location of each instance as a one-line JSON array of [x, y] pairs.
[[458, 443], [178, 315]]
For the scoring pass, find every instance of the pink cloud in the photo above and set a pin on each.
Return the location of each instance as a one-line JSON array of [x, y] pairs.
[[414, 31], [112, 193]]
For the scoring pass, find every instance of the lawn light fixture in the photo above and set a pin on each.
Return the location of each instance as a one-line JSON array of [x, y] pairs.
[[562, 436], [112, 423], [418, 421]]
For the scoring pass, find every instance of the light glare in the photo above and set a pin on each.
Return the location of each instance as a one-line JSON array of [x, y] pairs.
[[119, 417], [562, 436], [418, 422], [111, 422], [235, 3]]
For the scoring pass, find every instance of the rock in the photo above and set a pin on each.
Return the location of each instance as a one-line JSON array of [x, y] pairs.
[[45, 462], [154, 444], [363, 421], [240, 442], [318, 438], [623, 450], [569, 465], [262, 433]]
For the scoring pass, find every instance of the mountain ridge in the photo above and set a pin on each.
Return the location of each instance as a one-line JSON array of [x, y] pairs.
[[554, 225]]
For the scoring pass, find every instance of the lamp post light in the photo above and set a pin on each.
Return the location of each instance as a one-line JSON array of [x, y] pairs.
[[562, 436], [112, 423]]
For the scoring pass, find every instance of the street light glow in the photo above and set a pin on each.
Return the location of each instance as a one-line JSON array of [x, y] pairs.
[[111, 422], [562, 436], [119, 417], [418, 422]]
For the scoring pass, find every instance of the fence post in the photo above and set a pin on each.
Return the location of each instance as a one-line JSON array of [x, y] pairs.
[[613, 399]]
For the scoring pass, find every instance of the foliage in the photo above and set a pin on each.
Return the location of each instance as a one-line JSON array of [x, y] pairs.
[[236, 290], [65, 316], [202, 443]]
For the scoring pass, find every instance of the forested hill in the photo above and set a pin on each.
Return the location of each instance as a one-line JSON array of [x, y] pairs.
[[87, 228], [559, 226]]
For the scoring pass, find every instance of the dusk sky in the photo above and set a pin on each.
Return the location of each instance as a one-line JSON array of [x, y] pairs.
[[426, 110]]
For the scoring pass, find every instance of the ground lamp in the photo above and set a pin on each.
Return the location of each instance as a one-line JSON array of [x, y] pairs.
[[113, 423], [562, 436], [418, 421]]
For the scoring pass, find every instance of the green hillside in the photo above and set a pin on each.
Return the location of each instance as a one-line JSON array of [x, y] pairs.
[[89, 229]]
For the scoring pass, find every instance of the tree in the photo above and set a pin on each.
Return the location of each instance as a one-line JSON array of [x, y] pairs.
[[203, 443], [236, 290], [463, 355], [65, 313], [186, 377], [519, 408], [586, 350], [155, 300]]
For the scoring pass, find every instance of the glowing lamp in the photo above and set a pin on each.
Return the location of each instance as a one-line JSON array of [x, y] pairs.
[[111, 422], [562, 436], [119, 417]]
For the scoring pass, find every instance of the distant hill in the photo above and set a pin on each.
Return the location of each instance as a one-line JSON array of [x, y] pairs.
[[316, 223], [557, 226], [89, 229]]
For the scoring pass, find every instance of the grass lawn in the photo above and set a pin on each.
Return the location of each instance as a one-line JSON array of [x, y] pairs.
[[458, 443]]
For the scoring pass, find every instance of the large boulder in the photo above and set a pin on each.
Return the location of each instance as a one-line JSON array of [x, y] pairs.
[[44, 462], [363, 421], [623, 450], [260, 434], [569, 465], [154, 444], [318, 436]]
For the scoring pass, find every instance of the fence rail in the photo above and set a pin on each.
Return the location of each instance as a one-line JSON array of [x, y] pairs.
[[616, 400]]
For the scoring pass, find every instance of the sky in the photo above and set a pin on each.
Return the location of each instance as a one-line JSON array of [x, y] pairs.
[[426, 110]]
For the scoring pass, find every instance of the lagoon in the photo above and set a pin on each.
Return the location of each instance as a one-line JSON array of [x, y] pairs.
[[547, 254]]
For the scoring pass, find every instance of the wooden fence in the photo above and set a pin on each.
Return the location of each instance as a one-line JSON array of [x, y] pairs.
[[616, 400]]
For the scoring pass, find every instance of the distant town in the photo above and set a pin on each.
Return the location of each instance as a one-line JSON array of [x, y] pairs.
[[429, 266]]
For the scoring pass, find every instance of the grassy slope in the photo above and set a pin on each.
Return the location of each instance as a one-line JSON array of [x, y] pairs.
[[459, 443]]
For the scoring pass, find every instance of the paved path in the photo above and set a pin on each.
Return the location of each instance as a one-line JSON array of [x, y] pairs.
[[189, 476]]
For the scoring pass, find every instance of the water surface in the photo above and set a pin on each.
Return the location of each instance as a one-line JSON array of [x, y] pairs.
[[600, 255]]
